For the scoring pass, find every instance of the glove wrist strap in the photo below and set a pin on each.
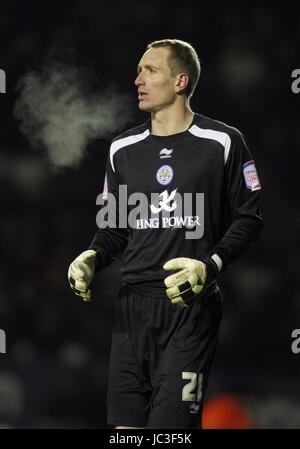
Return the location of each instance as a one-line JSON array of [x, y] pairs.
[[212, 268]]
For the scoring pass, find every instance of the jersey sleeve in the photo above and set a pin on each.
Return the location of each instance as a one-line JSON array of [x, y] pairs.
[[110, 239], [242, 195]]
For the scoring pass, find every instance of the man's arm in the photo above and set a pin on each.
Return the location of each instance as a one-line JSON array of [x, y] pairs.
[[107, 243], [245, 223], [242, 200]]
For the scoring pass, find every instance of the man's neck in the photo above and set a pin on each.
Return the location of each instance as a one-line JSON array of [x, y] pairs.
[[167, 122]]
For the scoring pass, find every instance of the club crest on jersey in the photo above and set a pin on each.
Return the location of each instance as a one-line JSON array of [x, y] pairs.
[[251, 176], [164, 175]]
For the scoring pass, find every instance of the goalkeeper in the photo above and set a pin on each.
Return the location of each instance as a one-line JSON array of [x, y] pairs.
[[169, 308]]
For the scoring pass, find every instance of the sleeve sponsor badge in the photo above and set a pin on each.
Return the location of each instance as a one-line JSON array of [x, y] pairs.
[[251, 176]]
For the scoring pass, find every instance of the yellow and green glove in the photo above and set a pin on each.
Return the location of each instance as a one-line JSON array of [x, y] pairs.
[[81, 273], [190, 280]]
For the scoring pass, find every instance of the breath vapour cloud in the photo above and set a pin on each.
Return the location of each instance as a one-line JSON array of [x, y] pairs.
[[57, 113]]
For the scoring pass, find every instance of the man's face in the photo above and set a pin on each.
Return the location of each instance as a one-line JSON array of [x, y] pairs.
[[155, 83]]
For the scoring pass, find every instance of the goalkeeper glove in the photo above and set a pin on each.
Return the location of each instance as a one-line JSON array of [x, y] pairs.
[[186, 284], [81, 272]]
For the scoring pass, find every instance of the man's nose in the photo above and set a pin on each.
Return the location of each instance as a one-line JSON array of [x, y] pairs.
[[139, 80]]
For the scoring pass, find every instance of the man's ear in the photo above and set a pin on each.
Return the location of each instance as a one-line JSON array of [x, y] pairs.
[[182, 81]]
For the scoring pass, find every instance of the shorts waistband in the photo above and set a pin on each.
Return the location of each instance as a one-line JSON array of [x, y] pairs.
[[154, 291]]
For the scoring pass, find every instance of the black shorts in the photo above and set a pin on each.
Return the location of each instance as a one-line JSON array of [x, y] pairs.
[[161, 356]]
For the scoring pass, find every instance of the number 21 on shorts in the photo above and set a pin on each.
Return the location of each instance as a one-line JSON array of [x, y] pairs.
[[194, 384]]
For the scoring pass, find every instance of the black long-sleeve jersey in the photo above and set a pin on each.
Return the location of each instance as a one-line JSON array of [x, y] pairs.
[[202, 192]]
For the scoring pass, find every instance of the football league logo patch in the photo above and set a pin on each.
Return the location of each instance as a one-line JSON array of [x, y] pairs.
[[251, 176], [164, 175]]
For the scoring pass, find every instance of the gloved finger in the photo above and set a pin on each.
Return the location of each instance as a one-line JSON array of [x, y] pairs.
[[179, 290], [183, 298], [181, 278], [177, 278], [81, 286], [86, 296], [84, 293], [188, 296], [78, 285], [193, 279], [179, 302], [76, 271], [186, 293], [177, 263], [87, 256], [201, 271], [172, 292], [197, 289]]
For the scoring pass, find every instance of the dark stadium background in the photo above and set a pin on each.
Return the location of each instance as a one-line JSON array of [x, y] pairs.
[[54, 373]]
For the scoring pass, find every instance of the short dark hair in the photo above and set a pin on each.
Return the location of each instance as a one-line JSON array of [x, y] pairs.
[[183, 57]]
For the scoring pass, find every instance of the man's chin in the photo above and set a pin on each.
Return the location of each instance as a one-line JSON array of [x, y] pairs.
[[144, 107]]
